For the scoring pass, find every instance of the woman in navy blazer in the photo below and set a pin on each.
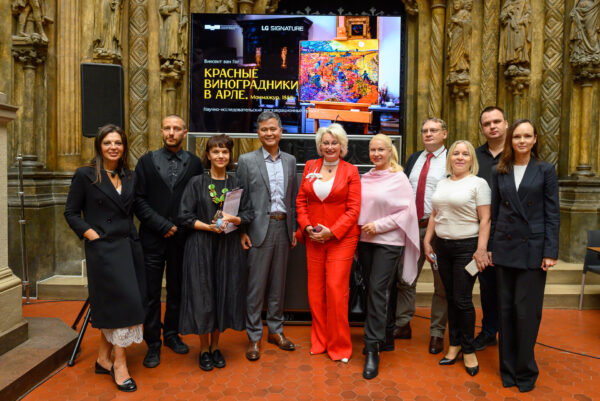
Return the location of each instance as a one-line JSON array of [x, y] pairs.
[[523, 244]]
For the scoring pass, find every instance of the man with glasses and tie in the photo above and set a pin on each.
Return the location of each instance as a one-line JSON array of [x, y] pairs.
[[424, 169]]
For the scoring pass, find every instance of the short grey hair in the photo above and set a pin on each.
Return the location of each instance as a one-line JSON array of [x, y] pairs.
[[436, 120], [338, 132], [267, 115]]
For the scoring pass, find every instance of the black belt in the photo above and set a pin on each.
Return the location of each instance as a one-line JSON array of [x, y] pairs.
[[277, 216]]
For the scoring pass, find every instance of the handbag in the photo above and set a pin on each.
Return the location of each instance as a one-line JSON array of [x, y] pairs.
[[357, 303]]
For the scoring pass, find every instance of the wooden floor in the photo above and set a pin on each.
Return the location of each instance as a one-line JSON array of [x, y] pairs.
[[408, 373]]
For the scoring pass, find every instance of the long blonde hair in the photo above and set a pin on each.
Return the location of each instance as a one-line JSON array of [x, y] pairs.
[[394, 165]]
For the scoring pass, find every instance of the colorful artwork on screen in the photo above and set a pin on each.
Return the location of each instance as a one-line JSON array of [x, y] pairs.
[[339, 71]]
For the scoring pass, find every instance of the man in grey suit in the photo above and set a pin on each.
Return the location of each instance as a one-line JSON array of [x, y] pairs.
[[269, 176]]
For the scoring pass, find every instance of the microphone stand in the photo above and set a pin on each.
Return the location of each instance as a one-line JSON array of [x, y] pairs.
[[22, 221]]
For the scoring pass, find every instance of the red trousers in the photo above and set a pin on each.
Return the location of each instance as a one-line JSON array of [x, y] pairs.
[[328, 268]]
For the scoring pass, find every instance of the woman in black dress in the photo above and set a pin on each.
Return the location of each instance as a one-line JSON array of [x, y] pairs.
[[213, 291], [104, 192]]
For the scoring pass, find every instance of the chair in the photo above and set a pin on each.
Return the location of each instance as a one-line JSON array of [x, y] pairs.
[[592, 260]]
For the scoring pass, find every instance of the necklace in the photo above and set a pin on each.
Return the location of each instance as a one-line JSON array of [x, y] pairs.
[[331, 165], [212, 192]]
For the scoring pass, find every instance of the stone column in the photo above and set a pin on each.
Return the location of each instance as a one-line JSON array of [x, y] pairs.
[[13, 329], [584, 168], [438, 18], [29, 55]]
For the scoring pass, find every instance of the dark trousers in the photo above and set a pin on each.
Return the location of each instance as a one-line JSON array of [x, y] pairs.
[[453, 256], [521, 297], [155, 260], [379, 263], [489, 301]]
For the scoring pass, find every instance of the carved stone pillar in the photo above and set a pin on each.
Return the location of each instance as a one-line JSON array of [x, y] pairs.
[[438, 17], [13, 329], [459, 93], [518, 83], [68, 108], [29, 54], [587, 77], [171, 81]]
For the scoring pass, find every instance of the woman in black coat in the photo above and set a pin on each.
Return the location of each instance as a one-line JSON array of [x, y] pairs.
[[104, 193], [523, 244]]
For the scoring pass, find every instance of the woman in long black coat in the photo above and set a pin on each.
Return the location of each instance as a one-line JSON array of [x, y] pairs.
[[213, 295], [524, 245], [104, 193]]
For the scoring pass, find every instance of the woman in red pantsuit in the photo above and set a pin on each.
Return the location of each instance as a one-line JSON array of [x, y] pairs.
[[328, 206]]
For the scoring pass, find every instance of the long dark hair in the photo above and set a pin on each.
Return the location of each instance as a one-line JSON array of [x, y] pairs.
[[507, 159], [219, 141], [98, 161]]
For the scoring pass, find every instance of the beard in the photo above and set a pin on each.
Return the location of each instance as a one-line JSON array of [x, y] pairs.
[[175, 145]]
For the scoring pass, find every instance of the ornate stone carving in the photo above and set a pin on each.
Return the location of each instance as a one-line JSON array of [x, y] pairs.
[[515, 35], [107, 29], [31, 18], [552, 81], [411, 7], [438, 14], [459, 42], [244, 6], [224, 6], [585, 32], [271, 6], [489, 57], [29, 55], [173, 35], [138, 79]]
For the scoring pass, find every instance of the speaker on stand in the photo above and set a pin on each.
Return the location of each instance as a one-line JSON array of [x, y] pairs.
[[101, 97]]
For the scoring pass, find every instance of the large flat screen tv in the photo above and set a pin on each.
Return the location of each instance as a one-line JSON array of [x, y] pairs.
[[244, 64]]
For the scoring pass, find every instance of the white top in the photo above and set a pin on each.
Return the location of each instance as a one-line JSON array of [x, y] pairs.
[[323, 188], [437, 172], [519, 172], [455, 204]]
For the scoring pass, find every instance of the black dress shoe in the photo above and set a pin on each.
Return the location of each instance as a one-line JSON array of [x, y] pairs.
[[218, 359], [99, 370], [436, 345], [448, 361], [371, 369], [526, 389], [206, 361], [472, 371], [152, 358], [128, 385], [175, 343], [403, 332], [483, 340]]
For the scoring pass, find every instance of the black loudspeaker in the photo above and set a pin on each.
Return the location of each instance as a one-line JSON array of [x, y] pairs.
[[101, 96]]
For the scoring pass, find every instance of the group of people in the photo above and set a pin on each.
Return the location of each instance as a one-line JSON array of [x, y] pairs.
[[494, 209]]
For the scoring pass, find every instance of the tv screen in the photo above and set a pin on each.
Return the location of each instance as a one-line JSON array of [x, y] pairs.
[[242, 65]]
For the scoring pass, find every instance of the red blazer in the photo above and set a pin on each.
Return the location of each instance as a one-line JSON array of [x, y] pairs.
[[340, 210]]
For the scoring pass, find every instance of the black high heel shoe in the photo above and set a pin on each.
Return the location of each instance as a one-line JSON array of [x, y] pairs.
[[128, 385], [447, 361], [99, 370], [472, 371]]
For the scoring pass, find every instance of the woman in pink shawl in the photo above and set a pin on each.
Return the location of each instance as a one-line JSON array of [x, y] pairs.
[[389, 229]]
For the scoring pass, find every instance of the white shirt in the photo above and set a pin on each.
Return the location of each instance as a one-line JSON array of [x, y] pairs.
[[437, 172], [323, 188], [519, 172], [455, 204]]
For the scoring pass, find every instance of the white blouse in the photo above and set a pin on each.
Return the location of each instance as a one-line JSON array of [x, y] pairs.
[[323, 188]]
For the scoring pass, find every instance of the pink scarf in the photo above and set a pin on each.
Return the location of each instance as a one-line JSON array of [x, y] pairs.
[[400, 205]]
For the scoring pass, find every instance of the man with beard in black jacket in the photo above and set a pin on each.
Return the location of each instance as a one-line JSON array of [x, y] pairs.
[[161, 177]]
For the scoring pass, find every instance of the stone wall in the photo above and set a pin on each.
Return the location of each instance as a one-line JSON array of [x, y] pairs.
[[538, 59]]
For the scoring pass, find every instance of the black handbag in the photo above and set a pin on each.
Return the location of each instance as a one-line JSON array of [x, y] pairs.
[[357, 303]]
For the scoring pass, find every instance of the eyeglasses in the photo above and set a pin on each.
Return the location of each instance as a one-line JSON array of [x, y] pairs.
[[432, 130]]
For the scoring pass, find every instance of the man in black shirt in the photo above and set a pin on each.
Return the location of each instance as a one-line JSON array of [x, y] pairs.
[[493, 125], [161, 177]]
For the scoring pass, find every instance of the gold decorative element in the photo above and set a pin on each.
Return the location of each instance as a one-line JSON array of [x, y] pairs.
[[515, 35], [585, 33], [357, 27], [107, 30], [459, 42], [138, 79], [31, 18], [437, 59], [489, 59], [552, 81], [227, 7]]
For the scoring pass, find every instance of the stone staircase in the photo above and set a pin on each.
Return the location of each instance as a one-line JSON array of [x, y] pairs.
[[562, 288]]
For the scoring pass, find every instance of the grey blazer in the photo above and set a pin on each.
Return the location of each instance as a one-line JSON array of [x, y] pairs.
[[254, 178]]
